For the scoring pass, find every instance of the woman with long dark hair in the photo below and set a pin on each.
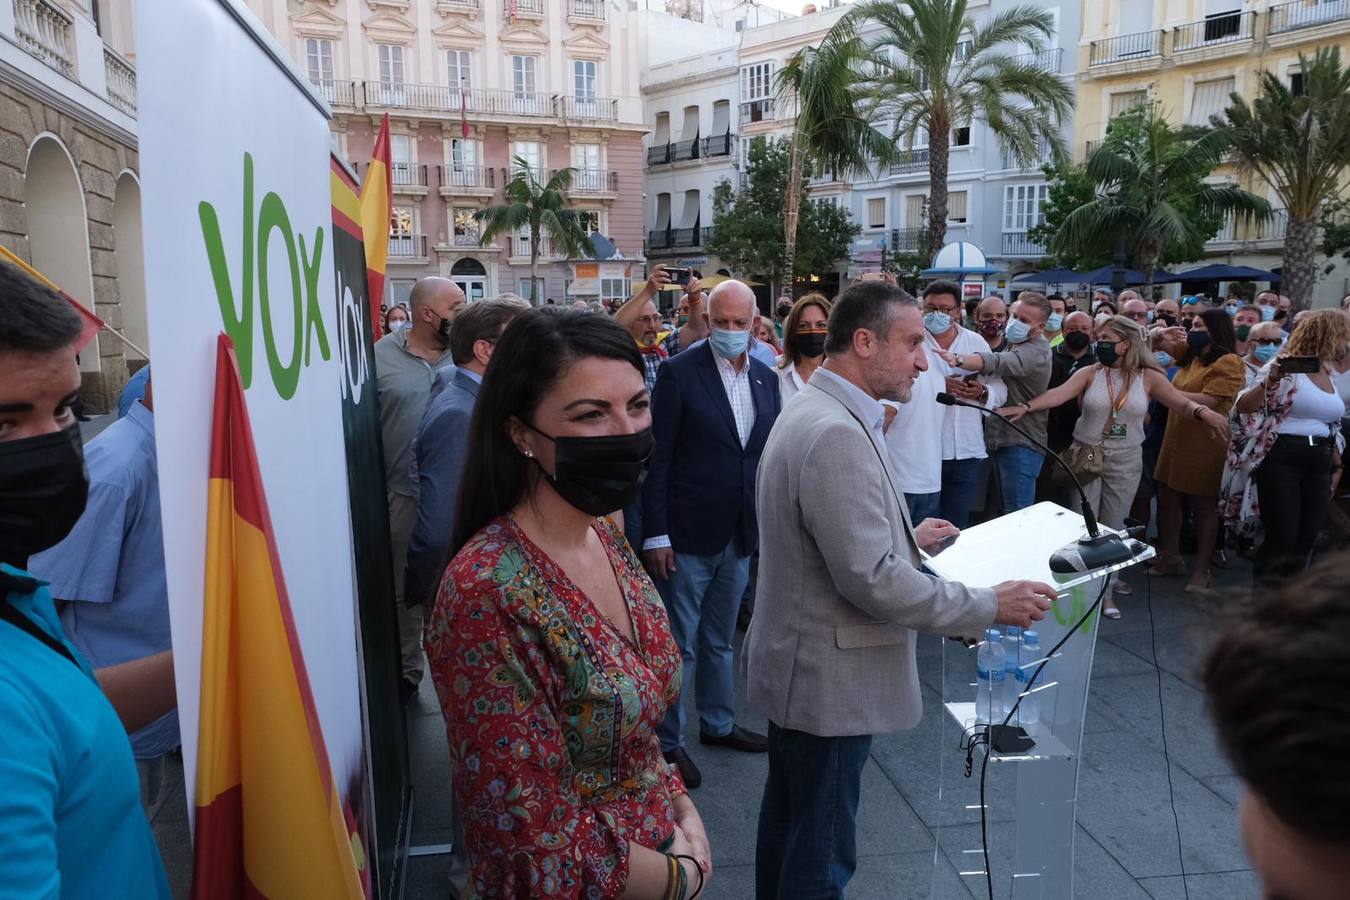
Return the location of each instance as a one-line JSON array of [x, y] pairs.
[[803, 344], [549, 647], [1190, 463]]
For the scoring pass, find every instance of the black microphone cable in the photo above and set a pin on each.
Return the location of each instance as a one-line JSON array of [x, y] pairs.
[[1162, 725], [975, 741]]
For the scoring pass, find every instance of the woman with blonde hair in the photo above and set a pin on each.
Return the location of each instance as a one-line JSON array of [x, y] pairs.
[[803, 344], [1114, 395], [1288, 444]]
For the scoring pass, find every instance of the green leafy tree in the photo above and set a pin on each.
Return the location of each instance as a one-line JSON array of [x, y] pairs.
[[541, 210], [1151, 189], [1299, 143], [832, 129], [932, 69], [748, 227], [1071, 187]]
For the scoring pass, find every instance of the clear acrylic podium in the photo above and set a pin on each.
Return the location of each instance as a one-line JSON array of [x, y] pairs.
[[1030, 796]]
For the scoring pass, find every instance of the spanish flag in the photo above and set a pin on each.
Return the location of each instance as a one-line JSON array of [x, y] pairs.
[[269, 821], [376, 207]]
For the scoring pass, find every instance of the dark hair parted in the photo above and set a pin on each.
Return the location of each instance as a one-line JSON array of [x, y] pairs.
[[530, 356], [1274, 686], [481, 321], [33, 317], [870, 305], [1222, 338]]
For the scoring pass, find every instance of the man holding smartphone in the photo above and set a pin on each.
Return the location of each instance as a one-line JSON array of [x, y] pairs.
[[642, 318]]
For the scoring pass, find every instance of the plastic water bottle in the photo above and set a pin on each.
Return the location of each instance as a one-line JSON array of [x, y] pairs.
[[1012, 641], [991, 674], [1029, 713]]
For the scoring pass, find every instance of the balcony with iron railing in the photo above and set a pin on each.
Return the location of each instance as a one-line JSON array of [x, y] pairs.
[[1273, 230], [718, 145], [458, 178], [604, 109], [1091, 147], [337, 93], [908, 240], [683, 151], [1017, 243], [1231, 29], [678, 238], [910, 162], [594, 181], [407, 247], [442, 98], [660, 154], [469, 238], [587, 11], [1286, 17], [761, 110], [518, 247], [1226, 234], [121, 76], [408, 175], [1049, 60], [445, 7], [1142, 45], [522, 9]]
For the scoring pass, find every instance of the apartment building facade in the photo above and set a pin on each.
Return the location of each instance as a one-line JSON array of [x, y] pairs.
[[69, 172], [993, 202], [1188, 56], [471, 88]]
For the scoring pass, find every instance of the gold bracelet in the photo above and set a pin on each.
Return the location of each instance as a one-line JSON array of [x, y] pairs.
[[673, 872]]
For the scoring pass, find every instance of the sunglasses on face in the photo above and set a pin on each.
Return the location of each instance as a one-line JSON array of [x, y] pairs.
[[1268, 342]]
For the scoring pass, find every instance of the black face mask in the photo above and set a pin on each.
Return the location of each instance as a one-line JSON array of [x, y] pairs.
[[1077, 341], [599, 475], [811, 344], [43, 490], [1167, 319], [444, 330]]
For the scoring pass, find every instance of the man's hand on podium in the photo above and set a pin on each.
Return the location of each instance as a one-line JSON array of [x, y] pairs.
[[1022, 602], [931, 532]]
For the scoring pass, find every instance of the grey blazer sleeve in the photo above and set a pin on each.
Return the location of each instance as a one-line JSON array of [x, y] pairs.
[[843, 505]]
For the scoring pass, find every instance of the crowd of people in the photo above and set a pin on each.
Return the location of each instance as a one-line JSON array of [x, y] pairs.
[[586, 503]]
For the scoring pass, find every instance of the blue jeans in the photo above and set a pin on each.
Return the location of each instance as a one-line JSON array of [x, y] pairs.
[[922, 506], [960, 482], [703, 597], [1018, 468], [806, 847]]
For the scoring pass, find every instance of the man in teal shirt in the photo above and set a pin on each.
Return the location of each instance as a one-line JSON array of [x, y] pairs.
[[69, 796]]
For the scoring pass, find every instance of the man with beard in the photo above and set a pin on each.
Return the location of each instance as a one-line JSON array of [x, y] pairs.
[[69, 793]]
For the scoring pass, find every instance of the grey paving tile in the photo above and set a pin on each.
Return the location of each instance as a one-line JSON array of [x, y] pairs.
[[1229, 787], [428, 878], [429, 762], [903, 876], [1217, 886], [1181, 651], [1123, 804], [1190, 736], [1110, 659]]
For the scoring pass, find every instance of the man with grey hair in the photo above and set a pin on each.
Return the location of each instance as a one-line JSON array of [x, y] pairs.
[[405, 369], [1025, 369], [712, 409], [830, 651]]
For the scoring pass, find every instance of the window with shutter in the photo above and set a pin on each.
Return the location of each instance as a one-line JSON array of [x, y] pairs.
[[956, 206]]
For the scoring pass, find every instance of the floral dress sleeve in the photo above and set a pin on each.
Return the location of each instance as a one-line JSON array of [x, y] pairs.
[[529, 832]]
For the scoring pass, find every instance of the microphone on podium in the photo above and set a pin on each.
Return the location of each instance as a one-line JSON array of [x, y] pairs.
[[1093, 551]]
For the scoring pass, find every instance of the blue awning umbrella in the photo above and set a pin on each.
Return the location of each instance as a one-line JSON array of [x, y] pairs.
[[1050, 276], [1224, 272], [1132, 276]]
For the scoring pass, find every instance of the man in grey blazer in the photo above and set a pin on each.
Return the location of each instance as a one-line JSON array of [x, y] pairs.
[[830, 650]]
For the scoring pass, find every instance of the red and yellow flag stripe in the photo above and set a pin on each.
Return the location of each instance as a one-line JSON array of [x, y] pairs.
[[269, 820], [376, 207]]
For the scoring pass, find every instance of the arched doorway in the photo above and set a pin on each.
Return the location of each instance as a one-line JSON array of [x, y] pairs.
[[129, 248], [58, 230], [471, 277]]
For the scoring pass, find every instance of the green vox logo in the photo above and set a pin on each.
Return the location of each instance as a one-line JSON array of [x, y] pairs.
[[1078, 604], [238, 318]]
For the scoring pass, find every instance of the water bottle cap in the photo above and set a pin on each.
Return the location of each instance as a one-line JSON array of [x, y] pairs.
[[993, 634], [1030, 636], [1012, 630]]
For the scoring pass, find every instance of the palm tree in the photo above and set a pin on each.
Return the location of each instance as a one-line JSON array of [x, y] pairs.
[[1142, 185], [540, 209], [935, 71], [831, 125], [1299, 143]]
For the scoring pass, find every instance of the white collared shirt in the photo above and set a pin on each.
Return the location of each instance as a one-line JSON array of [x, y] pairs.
[[962, 430], [790, 382], [872, 409], [737, 385], [916, 456]]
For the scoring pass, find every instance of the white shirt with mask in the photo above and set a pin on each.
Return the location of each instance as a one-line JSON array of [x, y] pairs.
[[962, 430]]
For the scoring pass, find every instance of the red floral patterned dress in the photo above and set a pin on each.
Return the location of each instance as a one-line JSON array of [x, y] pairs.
[[552, 715]]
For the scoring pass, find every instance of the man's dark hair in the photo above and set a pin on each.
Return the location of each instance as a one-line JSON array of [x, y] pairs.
[[1275, 685], [33, 317], [872, 305], [481, 321], [946, 288]]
